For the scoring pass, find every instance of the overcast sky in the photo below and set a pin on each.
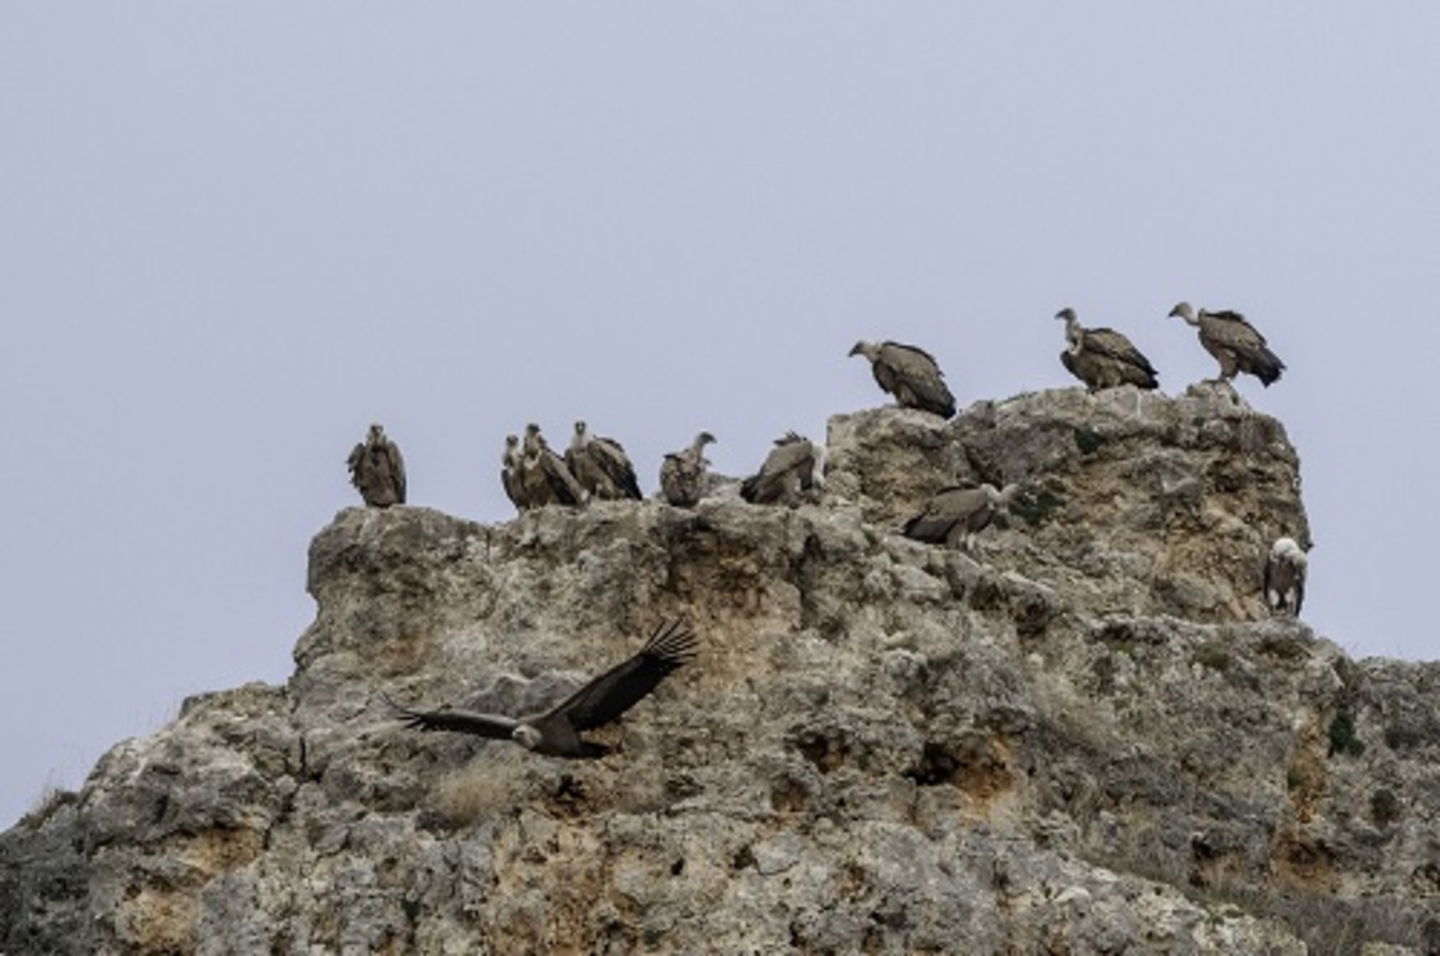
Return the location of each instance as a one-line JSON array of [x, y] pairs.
[[232, 235]]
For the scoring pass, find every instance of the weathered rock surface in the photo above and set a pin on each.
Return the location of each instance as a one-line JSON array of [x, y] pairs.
[[1086, 738]]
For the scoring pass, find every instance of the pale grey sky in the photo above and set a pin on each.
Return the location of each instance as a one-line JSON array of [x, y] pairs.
[[234, 234]]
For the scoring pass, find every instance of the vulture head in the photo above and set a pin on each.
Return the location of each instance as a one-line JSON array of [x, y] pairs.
[[868, 349], [703, 439], [1001, 497], [1287, 549], [1185, 312], [377, 433], [1067, 313], [526, 736], [533, 441]]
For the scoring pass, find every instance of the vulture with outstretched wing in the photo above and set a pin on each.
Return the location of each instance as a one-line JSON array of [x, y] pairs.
[[556, 732]]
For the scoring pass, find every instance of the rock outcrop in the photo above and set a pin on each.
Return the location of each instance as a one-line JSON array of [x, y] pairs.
[[1086, 737]]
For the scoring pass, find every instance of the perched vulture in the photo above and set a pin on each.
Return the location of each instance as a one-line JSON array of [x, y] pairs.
[[377, 470], [510, 471], [1285, 577], [1234, 343], [910, 374], [556, 733], [956, 514], [601, 465], [1103, 358], [544, 479], [794, 465], [682, 473]]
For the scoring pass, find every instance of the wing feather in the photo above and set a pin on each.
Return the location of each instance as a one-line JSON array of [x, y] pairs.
[[494, 726], [624, 685]]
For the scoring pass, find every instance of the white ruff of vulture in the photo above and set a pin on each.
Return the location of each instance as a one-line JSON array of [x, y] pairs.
[[910, 374], [794, 465], [682, 473], [556, 732], [544, 479], [1235, 343], [601, 466], [957, 514], [510, 467], [1285, 577], [1103, 358], [377, 470]]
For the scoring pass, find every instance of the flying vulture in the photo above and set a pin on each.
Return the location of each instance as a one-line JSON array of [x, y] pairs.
[[1234, 343], [1103, 358], [510, 471], [910, 374], [544, 479], [794, 465], [377, 470], [956, 514], [1285, 577], [556, 732], [601, 465], [682, 473]]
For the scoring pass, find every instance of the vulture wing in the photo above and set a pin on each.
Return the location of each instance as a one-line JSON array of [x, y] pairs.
[[622, 686], [1115, 345], [562, 483], [494, 726], [397, 469], [611, 458], [941, 513], [917, 371]]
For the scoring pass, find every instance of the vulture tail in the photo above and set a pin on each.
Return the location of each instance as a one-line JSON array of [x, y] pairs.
[[1266, 365]]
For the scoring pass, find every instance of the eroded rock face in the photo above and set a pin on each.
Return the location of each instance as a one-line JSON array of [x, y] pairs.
[[1086, 737]]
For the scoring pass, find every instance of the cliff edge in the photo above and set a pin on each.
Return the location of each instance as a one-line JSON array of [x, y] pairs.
[[1087, 737]]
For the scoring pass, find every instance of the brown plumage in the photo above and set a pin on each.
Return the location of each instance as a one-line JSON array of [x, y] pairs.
[[544, 479], [377, 470], [956, 514], [1235, 343], [682, 473], [1103, 358], [910, 374], [601, 466], [794, 465], [556, 732]]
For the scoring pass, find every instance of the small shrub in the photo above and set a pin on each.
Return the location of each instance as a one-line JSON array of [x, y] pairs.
[[1088, 439], [1384, 807], [1036, 509], [1342, 735], [1213, 656]]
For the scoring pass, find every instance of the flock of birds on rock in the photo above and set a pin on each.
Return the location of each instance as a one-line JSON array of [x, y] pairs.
[[595, 467]]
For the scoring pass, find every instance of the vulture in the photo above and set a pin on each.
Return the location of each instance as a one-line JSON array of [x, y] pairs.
[[1285, 577], [956, 514], [601, 465], [794, 465], [510, 471], [682, 473], [377, 470], [556, 732], [1234, 343], [910, 374], [1103, 358], [544, 479]]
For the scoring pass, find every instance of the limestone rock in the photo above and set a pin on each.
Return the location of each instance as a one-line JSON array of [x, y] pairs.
[[1086, 737]]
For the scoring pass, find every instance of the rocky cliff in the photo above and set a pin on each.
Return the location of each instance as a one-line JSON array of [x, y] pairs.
[[1086, 737]]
